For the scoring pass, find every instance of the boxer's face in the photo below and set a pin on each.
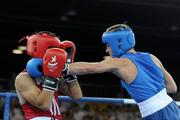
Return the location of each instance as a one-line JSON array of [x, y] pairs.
[[108, 50]]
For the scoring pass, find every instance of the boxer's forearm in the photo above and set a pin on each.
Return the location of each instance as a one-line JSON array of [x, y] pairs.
[[171, 86], [44, 99], [81, 68], [73, 90]]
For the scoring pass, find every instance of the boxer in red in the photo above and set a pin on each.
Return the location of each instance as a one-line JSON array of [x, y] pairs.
[[38, 86]]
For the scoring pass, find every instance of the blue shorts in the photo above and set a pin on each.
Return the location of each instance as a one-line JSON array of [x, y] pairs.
[[170, 112]]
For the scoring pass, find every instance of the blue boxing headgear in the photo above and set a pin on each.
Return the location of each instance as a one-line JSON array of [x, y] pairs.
[[120, 39]]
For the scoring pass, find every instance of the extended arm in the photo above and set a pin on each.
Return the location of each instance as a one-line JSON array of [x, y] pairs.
[[81, 68]]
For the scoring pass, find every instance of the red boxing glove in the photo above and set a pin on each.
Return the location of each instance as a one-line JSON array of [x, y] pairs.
[[53, 62], [70, 48]]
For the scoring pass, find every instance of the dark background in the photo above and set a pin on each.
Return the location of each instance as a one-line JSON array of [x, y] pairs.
[[156, 25]]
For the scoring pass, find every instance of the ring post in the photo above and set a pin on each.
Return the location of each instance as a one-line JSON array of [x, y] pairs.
[[7, 106]]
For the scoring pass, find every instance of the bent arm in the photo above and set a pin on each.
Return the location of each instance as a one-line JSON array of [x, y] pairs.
[[73, 89], [171, 86], [26, 86], [170, 83]]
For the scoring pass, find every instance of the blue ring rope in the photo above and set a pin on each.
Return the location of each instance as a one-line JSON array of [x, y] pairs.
[[9, 95]]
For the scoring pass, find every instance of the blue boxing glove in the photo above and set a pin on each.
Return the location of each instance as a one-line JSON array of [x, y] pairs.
[[34, 67]]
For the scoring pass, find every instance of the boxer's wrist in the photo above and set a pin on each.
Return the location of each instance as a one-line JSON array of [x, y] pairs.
[[70, 79], [65, 71], [50, 84]]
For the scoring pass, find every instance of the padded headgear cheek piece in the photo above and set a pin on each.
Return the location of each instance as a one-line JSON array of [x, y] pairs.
[[119, 41], [37, 44]]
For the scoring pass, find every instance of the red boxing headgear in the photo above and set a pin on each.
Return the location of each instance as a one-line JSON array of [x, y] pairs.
[[38, 43]]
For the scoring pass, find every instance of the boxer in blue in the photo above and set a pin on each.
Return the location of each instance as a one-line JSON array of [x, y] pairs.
[[141, 74]]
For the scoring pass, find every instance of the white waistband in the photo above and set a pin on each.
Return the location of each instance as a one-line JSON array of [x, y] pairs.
[[154, 103], [42, 118]]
